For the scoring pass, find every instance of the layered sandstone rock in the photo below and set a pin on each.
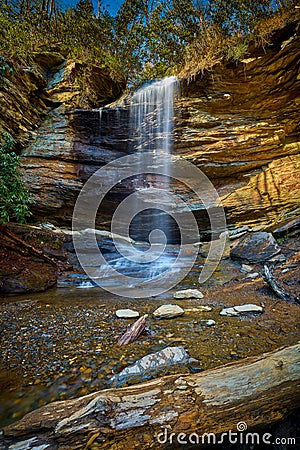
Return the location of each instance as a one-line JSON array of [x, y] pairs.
[[239, 124]]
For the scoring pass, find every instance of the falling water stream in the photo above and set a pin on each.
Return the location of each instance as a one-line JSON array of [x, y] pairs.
[[152, 116], [151, 130]]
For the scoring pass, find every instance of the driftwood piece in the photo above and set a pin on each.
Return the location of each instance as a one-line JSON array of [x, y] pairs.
[[134, 331], [24, 245], [274, 285], [257, 391]]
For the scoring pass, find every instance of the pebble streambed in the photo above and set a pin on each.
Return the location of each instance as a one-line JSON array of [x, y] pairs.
[[63, 343]]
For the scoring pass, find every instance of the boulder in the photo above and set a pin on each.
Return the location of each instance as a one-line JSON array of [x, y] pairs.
[[168, 312], [22, 271], [188, 293], [150, 365], [255, 247]]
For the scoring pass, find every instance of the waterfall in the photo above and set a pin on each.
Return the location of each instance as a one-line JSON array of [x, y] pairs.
[[152, 127], [152, 115], [145, 198]]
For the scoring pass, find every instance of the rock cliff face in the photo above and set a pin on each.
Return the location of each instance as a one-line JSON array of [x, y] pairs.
[[22, 102], [28, 93], [239, 124]]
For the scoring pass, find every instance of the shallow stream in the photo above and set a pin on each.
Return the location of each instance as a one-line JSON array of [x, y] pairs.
[[63, 343]]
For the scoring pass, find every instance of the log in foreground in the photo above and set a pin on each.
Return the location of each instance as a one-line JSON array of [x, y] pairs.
[[257, 390], [274, 285]]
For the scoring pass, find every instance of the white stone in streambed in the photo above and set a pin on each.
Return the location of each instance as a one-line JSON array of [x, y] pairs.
[[188, 293], [168, 312], [241, 309], [248, 308], [200, 308], [127, 314], [208, 323]]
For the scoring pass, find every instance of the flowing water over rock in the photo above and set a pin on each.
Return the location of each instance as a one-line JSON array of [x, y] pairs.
[[145, 222], [63, 343], [151, 128]]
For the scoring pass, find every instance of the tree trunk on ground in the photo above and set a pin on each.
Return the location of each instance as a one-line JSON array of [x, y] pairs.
[[257, 390], [274, 285], [24, 245]]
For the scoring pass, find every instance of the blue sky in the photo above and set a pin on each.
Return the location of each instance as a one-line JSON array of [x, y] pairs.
[[111, 5]]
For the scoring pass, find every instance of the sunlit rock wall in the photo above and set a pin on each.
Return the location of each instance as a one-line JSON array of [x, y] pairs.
[[239, 124]]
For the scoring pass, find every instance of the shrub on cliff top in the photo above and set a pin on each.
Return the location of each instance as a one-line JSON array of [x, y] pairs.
[[146, 39], [14, 198]]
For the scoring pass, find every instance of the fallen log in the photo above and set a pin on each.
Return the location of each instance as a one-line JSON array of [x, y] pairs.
[[134, 331], [257, 391], [276, 288], [24, 245]]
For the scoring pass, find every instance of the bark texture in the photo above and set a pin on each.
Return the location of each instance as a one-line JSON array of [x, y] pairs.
[[258, 390]]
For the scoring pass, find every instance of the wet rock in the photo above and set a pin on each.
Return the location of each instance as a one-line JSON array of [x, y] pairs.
[[198, 309], [150, 365], [71, 146], [252, 275], [293, 226], [246, 268], [208, 323], [168, 312], [241, 309], [188, 293], [126, 314], [255, 247]]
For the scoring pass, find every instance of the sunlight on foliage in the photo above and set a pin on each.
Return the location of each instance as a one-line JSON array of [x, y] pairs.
[[147, 38]]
